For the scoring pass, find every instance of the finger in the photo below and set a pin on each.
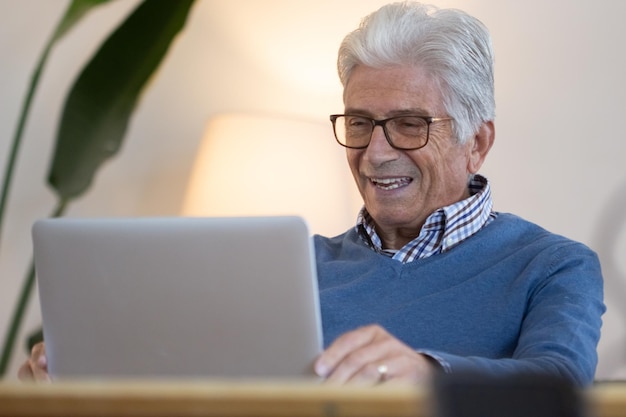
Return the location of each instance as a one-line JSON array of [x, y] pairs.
[[372, 373], [38, 363], [408, 367], [365, 364], [342, 347], [40, 373], [393, 369], [38, 350]]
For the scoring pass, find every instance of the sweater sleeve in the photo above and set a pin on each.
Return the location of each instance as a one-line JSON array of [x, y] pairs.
[[561, 328]]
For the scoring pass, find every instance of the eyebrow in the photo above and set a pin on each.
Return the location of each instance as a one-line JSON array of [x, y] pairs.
[[417, 111]]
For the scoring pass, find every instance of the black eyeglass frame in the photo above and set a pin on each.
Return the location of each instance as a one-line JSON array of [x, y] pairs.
[[383, 123]]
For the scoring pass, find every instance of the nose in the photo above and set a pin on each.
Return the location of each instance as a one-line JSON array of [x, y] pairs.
[[379, 150]]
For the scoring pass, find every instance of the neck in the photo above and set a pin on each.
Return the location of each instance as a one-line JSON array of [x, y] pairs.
[[396, 238]]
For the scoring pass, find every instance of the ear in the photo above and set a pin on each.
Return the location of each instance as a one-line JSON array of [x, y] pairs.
[[479, 146]]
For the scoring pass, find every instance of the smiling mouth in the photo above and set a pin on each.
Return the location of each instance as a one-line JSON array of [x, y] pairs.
[[390, 183]]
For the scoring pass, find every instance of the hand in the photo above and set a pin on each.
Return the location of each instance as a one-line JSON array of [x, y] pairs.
[[36, 367], [370, 355]]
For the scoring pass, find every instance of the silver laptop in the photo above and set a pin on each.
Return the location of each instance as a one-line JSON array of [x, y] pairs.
[[178, 297]]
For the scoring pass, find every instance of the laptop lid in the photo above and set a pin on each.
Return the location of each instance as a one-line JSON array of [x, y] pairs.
[[178, 297]]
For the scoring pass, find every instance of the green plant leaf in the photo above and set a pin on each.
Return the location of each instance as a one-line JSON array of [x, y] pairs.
[[76, 10], [99, 106]]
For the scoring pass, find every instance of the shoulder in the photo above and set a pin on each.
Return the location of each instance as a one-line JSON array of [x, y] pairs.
[[330, 247], [514, 228], [535, 245]]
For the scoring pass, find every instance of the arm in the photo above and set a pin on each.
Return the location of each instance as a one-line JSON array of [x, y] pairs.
[[561, 329]]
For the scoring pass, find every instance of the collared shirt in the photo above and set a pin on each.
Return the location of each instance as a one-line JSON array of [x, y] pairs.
[[443, 229]]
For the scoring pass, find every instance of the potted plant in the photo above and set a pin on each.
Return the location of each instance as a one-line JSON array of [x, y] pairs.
[[96, 114]]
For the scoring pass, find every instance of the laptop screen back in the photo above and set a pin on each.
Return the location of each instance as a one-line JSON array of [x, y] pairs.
[[178, 297]]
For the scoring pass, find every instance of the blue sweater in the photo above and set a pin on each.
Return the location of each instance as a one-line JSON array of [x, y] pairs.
[[511, 298]]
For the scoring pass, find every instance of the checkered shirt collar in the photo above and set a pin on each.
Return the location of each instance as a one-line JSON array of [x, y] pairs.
[[443, 229]]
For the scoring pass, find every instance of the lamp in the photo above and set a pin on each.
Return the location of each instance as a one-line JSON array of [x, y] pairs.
[[262, 165]]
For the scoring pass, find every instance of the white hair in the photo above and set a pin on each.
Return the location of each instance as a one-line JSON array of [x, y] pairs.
[[453, 47]]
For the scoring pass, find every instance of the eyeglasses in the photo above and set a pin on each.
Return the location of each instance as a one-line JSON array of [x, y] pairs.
[[402, 132]]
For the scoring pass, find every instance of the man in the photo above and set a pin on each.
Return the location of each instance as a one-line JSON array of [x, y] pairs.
[[431, 279]]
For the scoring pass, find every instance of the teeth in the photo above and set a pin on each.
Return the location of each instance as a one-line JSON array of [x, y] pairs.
[[386, 180], [390, 183]]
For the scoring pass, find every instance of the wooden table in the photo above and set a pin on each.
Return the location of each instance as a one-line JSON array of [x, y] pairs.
[[240, 398]]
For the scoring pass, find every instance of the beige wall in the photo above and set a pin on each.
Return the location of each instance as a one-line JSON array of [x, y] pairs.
[[558, 158]]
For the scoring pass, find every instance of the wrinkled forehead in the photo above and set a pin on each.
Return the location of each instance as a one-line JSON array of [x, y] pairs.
[[380, 91]]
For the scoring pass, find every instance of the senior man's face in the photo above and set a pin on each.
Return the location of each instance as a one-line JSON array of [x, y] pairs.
[[401, 188]]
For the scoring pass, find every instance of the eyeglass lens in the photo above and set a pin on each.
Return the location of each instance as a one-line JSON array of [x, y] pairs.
[[408, 132]]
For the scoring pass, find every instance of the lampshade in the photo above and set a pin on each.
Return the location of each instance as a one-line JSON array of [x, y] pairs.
[[263, 165]]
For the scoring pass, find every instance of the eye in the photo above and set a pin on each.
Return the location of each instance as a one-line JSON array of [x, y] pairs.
[[410, 122], [409, 125], [357, 122]]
